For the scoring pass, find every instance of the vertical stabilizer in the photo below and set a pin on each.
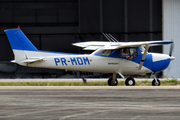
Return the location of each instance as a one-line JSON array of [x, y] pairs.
[[19, 41], [20, 44]]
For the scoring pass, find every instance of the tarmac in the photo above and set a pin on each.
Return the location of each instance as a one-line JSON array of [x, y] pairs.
[[89, 102], [73, 80]]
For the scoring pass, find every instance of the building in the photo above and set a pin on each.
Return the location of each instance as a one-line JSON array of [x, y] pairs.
[[53, 25]]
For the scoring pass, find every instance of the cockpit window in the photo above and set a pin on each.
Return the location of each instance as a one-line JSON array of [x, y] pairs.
[[103, 52], [107, 52], [125, 52]]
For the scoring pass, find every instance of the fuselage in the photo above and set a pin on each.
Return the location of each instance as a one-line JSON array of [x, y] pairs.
[[100, 61]]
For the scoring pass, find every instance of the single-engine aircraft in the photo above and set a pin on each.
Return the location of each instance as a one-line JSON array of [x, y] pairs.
[[108, 57]]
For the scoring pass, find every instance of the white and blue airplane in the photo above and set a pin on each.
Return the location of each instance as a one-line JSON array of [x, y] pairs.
[[108, 57]]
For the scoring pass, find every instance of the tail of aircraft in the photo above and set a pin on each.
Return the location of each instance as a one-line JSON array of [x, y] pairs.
[[22, 47]]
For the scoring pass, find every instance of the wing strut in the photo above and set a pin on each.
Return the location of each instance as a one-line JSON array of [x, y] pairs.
[[143, 58], [121, 75]]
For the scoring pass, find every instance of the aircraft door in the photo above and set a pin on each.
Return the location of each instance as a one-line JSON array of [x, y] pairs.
[[113, 64], [128, 58]]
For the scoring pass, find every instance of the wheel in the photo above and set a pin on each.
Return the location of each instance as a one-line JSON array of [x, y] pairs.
[[154, 83], [111, 82], [130, 81]]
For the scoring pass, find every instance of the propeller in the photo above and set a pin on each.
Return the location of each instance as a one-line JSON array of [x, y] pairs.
[[171, 49]]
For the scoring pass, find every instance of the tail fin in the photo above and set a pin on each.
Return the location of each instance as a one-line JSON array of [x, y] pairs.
[[20, 44], [19, 41]]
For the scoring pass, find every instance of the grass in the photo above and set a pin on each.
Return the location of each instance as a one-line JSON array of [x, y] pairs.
[[101, 83], [53, 84]]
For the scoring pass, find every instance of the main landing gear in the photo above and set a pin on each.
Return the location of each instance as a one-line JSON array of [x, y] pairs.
[[130, 81], [112, 81]]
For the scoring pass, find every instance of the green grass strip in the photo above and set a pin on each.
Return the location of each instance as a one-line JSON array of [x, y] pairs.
[[101, 83]]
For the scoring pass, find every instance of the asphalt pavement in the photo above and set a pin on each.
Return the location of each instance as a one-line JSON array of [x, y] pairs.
[[89, 103]]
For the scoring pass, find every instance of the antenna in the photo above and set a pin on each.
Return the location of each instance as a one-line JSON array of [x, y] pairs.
[[113, 38], [109, 37], [106, 37]]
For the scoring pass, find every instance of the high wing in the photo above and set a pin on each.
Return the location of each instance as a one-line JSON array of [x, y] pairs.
[[115, 45], [94, 45]]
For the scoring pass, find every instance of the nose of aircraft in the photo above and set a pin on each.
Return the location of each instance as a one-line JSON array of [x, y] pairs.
[[171, 57], [160, 61]]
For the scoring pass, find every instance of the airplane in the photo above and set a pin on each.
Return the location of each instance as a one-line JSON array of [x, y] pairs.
[[108, 57]]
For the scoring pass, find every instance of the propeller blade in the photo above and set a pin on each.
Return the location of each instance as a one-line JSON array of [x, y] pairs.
[[171, 49]]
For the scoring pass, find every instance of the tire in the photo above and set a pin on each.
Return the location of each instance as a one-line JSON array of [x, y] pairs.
[[156, 84], [130, 81], [111, 82]]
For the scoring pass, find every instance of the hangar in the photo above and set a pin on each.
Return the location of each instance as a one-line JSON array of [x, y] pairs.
[[53, 25]]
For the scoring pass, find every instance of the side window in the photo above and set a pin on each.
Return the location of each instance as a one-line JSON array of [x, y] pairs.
[[126, 52]]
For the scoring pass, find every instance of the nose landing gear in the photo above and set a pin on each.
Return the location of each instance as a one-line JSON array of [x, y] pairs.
[[156, 82]]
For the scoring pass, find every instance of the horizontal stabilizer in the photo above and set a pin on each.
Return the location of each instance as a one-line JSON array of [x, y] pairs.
[[30, 60], [13, 61]]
